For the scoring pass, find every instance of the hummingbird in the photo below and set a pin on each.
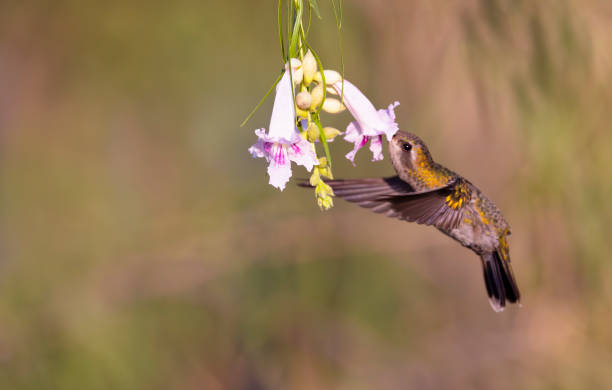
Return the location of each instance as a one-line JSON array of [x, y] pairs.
[[428, 193]]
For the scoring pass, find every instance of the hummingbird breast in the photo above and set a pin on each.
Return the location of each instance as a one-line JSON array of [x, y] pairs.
[[427, 175]]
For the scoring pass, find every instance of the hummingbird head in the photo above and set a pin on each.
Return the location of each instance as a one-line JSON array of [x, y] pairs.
[[413, 162], [409, 152]]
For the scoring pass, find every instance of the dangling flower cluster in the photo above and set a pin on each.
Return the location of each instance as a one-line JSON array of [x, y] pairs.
[[295, 124]]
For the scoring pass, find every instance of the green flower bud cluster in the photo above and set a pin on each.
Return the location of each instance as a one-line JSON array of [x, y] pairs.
[[323, 192]]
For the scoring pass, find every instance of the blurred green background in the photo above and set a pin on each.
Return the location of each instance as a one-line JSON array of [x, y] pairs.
[[142, 248]]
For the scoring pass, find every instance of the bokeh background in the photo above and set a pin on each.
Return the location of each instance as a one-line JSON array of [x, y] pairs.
[[141, 247]]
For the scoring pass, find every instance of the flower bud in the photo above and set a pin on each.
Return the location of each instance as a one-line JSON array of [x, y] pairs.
[[333, 106], [295, 63], [297, 73], [317, 96], [309, 64], [315, 178], [326, 172], [324, 168], [331, 133], [301, 113], [331, 77], [313, 132], [323, 190], [324, 194], [325, 204], [303, 100]]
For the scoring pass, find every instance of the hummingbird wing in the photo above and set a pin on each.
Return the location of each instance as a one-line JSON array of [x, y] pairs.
[[395, 198]]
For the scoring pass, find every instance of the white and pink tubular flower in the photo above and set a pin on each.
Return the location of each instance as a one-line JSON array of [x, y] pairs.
[[283, 143], [369, 124]]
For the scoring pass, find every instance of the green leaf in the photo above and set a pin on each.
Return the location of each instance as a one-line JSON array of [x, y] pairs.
[[337, 12], [315, 6], [262, 100], [309, 19], [294, 39], [289, 31], [297, 28], [280, 28]]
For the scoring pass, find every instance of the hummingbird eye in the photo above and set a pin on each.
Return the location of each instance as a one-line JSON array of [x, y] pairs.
[[407, 147]]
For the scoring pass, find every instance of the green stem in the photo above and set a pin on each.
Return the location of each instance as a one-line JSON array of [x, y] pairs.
[[261, 101], [309, 17], [297, 27], [280, 28], [338, 16], [289, 24], [317, 121]]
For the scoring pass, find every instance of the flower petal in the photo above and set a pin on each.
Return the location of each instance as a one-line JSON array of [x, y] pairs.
[[279, 169], [359, 143], [279, 175], [353, 132], [258, 148], [282, 122], [302, 153], [376, 148], [264, 145], [371, 121], [388, 116], [390, 111], [360, 107]]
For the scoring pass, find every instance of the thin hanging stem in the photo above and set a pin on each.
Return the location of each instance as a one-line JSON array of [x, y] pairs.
[[261, 101], [317, 121], [280, 28], [338, 16]]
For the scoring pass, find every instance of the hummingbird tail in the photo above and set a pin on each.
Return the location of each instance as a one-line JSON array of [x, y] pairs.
[[499, 280]]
